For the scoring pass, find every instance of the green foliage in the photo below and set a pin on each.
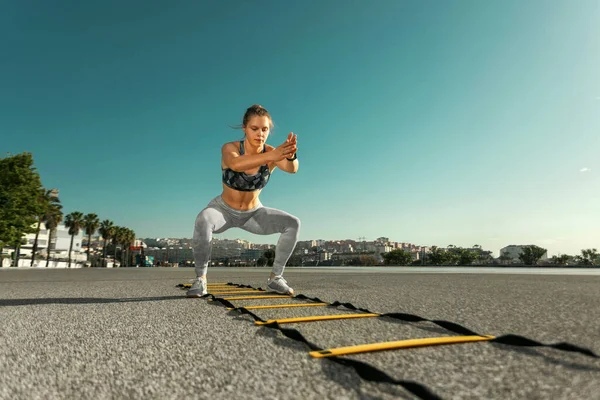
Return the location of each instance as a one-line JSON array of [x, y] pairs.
[[261, 262], [91, 222], [589, 257], [451, 255], [294, 260], [461, 256], [73, 221], [484, 257], [397, 257], [52, 219], [25, 205], [269, 255], [14, 237], [368, 260], [20, 186], [530, 255], [51, 212], [106, 230], [454, 255], [123, 237], [560, 260], [353, 261], [466, 257], [437, 256]]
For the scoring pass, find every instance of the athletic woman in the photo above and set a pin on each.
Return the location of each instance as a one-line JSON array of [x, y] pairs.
[[246, 167]]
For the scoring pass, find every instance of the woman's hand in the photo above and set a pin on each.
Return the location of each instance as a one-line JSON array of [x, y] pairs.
[[286, 149], [292, 138]]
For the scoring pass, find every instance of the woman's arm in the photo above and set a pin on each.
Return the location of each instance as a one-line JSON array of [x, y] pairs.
[[288, 166], [285, 164], [232, 158]]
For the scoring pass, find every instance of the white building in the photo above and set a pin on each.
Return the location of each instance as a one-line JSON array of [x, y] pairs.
[[513, 251], [368, 246], [382, 249], [59, 243]]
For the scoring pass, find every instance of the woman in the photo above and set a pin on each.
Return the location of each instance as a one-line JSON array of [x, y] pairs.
[[246, 167]]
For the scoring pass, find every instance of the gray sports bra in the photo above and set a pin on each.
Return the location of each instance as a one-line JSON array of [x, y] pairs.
[[242, 181]]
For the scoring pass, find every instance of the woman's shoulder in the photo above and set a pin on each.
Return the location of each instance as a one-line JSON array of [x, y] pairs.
[[231, 145]]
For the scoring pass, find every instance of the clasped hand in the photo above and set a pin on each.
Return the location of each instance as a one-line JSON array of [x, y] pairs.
[[287, 149]]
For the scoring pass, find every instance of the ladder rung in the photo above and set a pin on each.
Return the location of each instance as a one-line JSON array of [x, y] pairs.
[[225, 287], [238, 292], [210, 285], [400, 344], [257, 297], [317, 318], [284, 306]]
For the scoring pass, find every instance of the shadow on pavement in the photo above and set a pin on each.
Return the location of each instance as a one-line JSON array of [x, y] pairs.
[[533, 352], [280, 340], [422, 326], [82, 300], [343, 376]]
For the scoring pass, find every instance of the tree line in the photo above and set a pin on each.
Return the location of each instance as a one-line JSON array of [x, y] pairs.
[[25, 205], [453, 255]]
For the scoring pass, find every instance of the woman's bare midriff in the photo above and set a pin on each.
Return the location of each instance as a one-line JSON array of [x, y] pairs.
[[240, 200]]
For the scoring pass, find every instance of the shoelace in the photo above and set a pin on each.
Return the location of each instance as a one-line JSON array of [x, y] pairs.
[[279, 278], [194, 280]]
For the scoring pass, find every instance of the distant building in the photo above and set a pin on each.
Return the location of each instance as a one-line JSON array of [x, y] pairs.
[[381, 249], [58, 243], [513, 251], [251, 254]]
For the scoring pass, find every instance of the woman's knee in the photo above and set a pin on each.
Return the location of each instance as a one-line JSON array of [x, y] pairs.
[[201, 223], [294, 223], [204, 225]]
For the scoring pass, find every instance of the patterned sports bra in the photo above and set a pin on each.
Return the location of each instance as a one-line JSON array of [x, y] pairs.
[[242, 181]]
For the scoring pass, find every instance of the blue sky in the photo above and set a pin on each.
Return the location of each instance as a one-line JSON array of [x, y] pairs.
[[431, 122]]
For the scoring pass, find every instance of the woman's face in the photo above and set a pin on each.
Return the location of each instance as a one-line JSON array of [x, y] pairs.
[[257, 130]]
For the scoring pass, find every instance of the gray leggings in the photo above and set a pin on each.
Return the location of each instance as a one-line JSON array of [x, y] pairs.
[[217, 217]]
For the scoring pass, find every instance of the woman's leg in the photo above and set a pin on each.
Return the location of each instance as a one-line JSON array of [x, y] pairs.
[[267, 221], [209, 221]]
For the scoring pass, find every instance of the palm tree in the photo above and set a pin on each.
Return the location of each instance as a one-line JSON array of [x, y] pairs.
[[49, 203], [106, 230], [51, 220], [128, 239], [43, 203], [117, 239], [74, 222], [90, 224], [131, 240], [16, 240], [122, 236]]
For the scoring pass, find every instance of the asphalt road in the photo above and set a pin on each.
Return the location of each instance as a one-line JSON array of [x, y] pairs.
[[131, 334]]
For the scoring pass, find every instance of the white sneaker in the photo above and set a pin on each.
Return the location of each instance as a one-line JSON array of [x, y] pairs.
[[198, 288], [279, 285]]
